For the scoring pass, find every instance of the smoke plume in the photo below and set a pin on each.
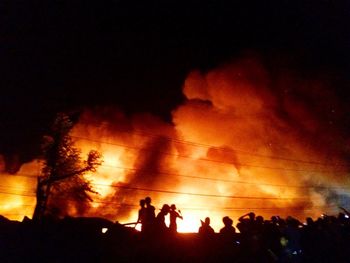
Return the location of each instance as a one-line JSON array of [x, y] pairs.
[[247, 138]]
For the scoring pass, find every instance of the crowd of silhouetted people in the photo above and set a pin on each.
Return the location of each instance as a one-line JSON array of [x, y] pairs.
[[256, 239], [252, 238], [152, 223]]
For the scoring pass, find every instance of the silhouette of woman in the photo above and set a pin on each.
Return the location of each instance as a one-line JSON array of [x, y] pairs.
[[173, 216], [160, 219], [141, 215]]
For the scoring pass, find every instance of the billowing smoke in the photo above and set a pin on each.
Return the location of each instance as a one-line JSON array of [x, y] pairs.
[[337, 197], [247, 138]]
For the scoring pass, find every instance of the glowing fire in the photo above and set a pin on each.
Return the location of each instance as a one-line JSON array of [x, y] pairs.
[[17, 191], [238, 144]]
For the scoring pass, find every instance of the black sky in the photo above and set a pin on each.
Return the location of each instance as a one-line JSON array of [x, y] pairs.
[[64, 55]]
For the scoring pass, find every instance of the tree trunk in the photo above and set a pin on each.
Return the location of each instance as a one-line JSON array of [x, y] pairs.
[[42, 194]]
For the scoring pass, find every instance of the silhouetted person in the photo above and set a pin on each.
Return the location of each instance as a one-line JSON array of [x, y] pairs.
[[160, 219], [142, 214], [228, 231], [246, 223], [228, 240], [206, 244], [292, 236], [205, 229], [149, 218], [173, 216]]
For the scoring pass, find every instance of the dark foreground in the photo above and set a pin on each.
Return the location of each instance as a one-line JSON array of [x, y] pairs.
[[82, 240]]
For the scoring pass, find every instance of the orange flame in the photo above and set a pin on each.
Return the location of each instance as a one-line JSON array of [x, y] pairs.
[[239, 143]]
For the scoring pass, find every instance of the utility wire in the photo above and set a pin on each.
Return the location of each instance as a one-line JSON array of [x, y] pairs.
[[16, 188], [204, 195], [180, 193], [221, 180], [202, 159], [184, 207], [19, 194], [208, 146], [207, 178]]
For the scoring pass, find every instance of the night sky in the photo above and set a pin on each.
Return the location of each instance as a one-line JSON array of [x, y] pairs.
[[135, 55]]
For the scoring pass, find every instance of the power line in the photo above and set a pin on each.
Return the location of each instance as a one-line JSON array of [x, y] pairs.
[[16, 188], [203, 159], [19, 194], [200, 194], [254, 208], [146, 134], [132, 206], [179, 193], [210, 179], [24, 175], [221, 180], [25, 205]]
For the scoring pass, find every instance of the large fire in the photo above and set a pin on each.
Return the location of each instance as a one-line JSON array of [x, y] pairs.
[[242, 141]]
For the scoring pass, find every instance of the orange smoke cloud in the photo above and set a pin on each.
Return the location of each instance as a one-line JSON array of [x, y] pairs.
[[243, 141]]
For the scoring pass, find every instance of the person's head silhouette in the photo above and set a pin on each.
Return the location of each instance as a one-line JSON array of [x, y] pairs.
[[142, 202], [148, 200], [165, 209], [227, 221]]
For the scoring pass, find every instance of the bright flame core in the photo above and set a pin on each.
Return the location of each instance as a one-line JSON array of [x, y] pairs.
[[238, 144]]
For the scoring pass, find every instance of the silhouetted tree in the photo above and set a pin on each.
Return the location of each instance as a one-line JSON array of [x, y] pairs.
[[63, 168]]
